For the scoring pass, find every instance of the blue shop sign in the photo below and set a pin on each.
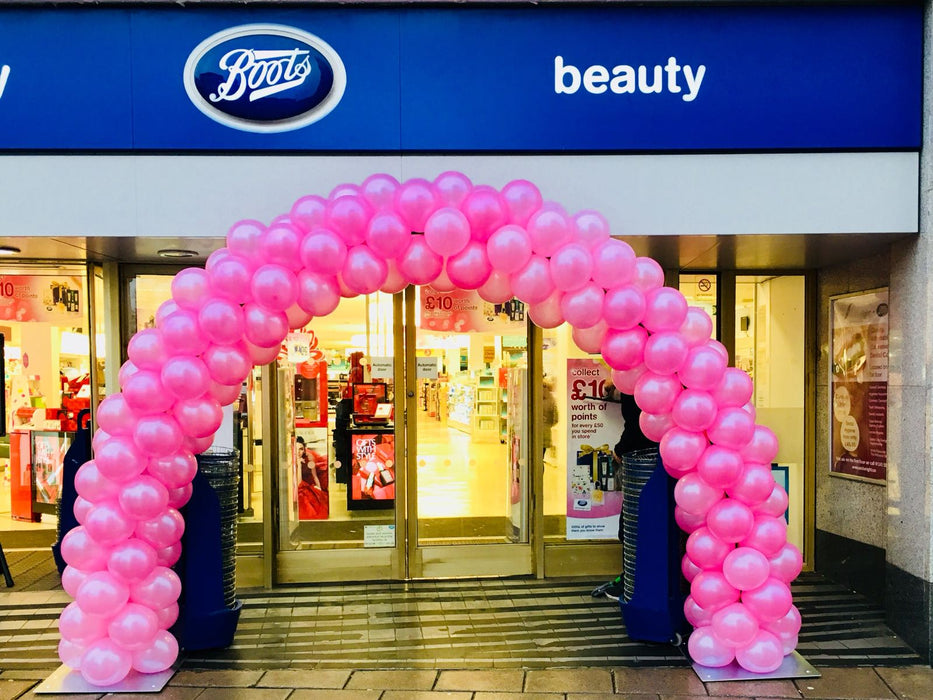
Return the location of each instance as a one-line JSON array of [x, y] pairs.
[[416, 79]]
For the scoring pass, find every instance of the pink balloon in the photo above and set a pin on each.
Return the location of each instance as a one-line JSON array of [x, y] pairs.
[[379, 190], [100, 437], [767, 535], [323, 252], [274, 287], [712, 591], [119, 460], [144, 394], [157, 590], [447, 231], [694, 410], [697, 616], [317, 294], [787, 626], [191, 287], [147, 350], [295, 316], [703, 368], [787, 564], [169, 307], [485, 210], [185, 377], [230, 276], [198, 445], [279, 244], [158, 656], [734, 388], [706, 550], [591, 228], [583, 307], [158, 435], [665, 310], [776, 503], [70, 653], [72, 578], [665, 352], [182, 334], [533, 283], [763, 446], [680, 449], [548, 229], [227, 364], [81, 508], [105, 663], [655, 393], [443, 283], [102, 594], [470, 268], [167, 616], [131, 560], [349, 216], [655, 426], [720, 467], [497, 289], [225, 394], [734, 625], [688, 522], [697, 326], [522, 199], [163, 530], [81, 551], [128, 369], [745, 568], [143, 498], [694, 495], [730, 520], [590, 339], [415, 201], [394, 281], [261, 356], [108, 524], [762, 655], [613, 264], [754, 484], [243, 237], [452, 188], [388, 235], [80, 627], [198, 417], [547, 313], [308, 212], [648, 274], [364, 271], [624, 306], [625, 379], [261, 327], [706, 650], [115, 416], [180, 496], [134, 627], [625, 350], [733, 428], [571, 267], [168, 556], [688, 568], [173, 471], [419, 264]]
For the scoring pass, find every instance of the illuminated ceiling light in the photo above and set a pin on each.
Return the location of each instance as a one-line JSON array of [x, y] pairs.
[[9, 250], [177, 253]]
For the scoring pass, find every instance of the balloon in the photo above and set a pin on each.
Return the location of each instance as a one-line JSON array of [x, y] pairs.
[[72, 578], [105, 663], [452, 188], [787, 563], [624, 306], [447, 231], [485, 211], [732, 428], [703, 368], [70, 653], [379, 190], [80, 627], [711, 590], [694, 495], [167, 616], [720, 467], [532, 283], [163, 530], [274, 287], [697, 616], [688, 522], [169, 307], [119, 460], [522, 199], [583, 307], [364, 271], [127, 370], [182, 335], [81, 551], [261, 356], [81, 508], [198, 445], [706, 650], [665, 310], [147, 350], [102, 593], [394, 281], [134, 627], [734, 388], [180, 496], [648, 274], [184, 377], [415, 201], [497, 289], [614, 264], [547, 313], [115, 416], [775, 504], [591, 228], [263, 327], [548, 229], [158, 435], [157, 590], [143, 498], [227, 364], [625, 379], [763, 446], [387, 235], [92, 485], [158, 656], [571, 267], [191, 287], [280, 243], [243, 237], [221, 320], [655, 393], [694, 410], [680, 449], [230, 277], [785, 627], [323, 252], [175, 470], [697, 326], [734, 625], [144, 393], [131, 560], [590, 339], [745, 568], [470, 268], [108, 524], [754, 484], [349, 216], [100, 437], [318, 295], [665, 352], [763, 654], [443, 283], [655, 426], [419, 264], [706, 550], [768, 535], [626, 350]]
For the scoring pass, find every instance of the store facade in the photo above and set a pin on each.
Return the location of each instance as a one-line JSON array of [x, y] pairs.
[[404, 435]]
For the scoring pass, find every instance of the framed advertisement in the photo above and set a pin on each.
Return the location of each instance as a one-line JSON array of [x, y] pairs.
[[372, 469], [858, 385], [48, 459]]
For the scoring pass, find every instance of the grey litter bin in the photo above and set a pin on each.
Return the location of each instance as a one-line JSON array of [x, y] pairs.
[[637, 468], [221, 467]]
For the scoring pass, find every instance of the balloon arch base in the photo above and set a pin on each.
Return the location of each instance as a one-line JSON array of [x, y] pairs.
[[66, 681], [793, 666]]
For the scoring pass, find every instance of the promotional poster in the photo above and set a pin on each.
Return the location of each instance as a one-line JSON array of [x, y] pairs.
[[460, 311], [41, 298]]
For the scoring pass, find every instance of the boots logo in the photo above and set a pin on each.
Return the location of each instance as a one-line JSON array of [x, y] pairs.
[[264, 78]]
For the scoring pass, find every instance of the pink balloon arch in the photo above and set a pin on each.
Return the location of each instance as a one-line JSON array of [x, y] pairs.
[[384, 235]]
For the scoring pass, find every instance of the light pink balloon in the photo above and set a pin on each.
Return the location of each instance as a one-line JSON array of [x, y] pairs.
[[443, 283], [364, 271], [144, 393], [131, 560], [127, 370], [590, 339], [185, 376], [688, 568], [571, 267], [243, 237], [175, 470], [688, 522], [80, 627], [388, 235], [706, 650], [147, 349], [590, 228], [706, 550], [191, 287], [680, 448], [70, 653], [72, 578], [624, 306], [768, 535], [105, 663], [167, 616], [655, 393], [182, 335], [583, 307], [655, 426], [547, 313], [548, 229], [227, 364], [730, 520], [261, 356], [733, 428], [225, 394], [745, 568], [694, 410], [776, 503], [452, 188], [261, 327], [102, 593], [169, 307], [624, 350], [787, 563], [115, 416], [100, 437], [497, 289], [317, 294], [415, 201], [163, 530], [180, 496], [754, 484], [308, 212], [108, 524], [119, 459], [81, 508], [323, 252], [158, 656], [703, 368], [394, 281], [379, 190], [280, 243], [613, 264], [230, 276], [734, 388], [697, 616], [665, 352], [697, 326], [134, 627], [763, 654], [158, 435], [694, 495], [711, 590], [522, 199], [533, 282], [198, 417], [624, 379], [485, 210], [648, 274], [787, 626], [720, 467], [734, 625], [157, 590], [81, 551], [349, 216], [763, 446], [274, 287], [665, 310], [447, 231], [470, 268], [419, 264], [144, 497]]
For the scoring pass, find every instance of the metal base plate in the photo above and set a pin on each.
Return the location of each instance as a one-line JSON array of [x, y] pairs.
[[64, 680], [793, 666]]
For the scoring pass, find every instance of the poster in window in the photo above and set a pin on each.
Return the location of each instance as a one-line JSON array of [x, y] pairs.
[[859, 385]]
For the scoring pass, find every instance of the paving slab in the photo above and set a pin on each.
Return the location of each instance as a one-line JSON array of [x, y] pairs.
[[392, 680], [325, 694], [10, 689], [426, 695], [846, 683], [217, 679], [909, 682], [301, 678], [671, 681], [177, 693], [495, 680], [497, 695], [569, 680], [244, 694]]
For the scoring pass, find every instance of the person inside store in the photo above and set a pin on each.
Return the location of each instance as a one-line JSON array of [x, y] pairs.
[[632, 439], [343, 416]]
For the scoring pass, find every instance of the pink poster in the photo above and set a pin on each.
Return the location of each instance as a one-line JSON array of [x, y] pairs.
[[47, 298], [462, 311]]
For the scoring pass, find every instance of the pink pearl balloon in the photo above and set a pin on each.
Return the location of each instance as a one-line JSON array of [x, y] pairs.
[[614, 264], [447, 231], [754, 484], [734, 388], [70, 653], [419, 264], [415, 201], [80, 627], [182, 334], [280, 243], [697, 616], [323, 252], [768, 535], [198, 417], [711, 590], [131, 560], [147, 349], [243, 237], [680, 449], [169, 307], [648, 274], [158, 435], [485, 210], [134, 627], [119, 459], [688, 522], [452, 188], [261, 327], [379, 190], [733, 428], [522, 199], [665, 310], [625, 350], [387, 235], [745, 568], [697, 326], [81, 551], [274, 287], [185, 377], [571, 267], [470, 268], [163, 530], [72, 578], [100, 437], [547, 313], [706, 550], [127, 370], [144, 393], [144, 497], [394, 281], [655, 393], [655, 426], [158, 656], [688, 568], [105, 663], [497, 289], [787, 564], [191, 287], [81, 508], [177, 498], [694, 495], [548, 230], [102, 594], [168, 556], [115, 416], [730, 520], [221, 320], [625, 379], [787, 626], [590, 339], [706, 650], [157, 590], [175, 470], [108, 524], [349, 216], [763, 446], [317, 294], [590, 228], [261, 356], [443, 283], [227, 364], [720, 467], [225, 394], [364, 271], [703, 368], [694, 410], [734, 625], [624, 306], [665, 352], [230, 276], [583, 307], [533, 282], [776, 503], [763, 654]]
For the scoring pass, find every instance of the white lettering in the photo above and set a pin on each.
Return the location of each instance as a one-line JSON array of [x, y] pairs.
[[560, 87], [264, 73], [595, 78], [4, 76], [624, 79], [643, 79], [693, 82]]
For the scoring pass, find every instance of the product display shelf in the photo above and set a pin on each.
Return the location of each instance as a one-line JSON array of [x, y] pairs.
[[486, 409], [503, 414], [460, 399]]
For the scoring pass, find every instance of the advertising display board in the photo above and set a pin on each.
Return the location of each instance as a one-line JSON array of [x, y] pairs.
[[372, 474], [48, 458]]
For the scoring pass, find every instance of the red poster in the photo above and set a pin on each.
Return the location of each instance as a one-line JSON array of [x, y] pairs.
[[372, 459]]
